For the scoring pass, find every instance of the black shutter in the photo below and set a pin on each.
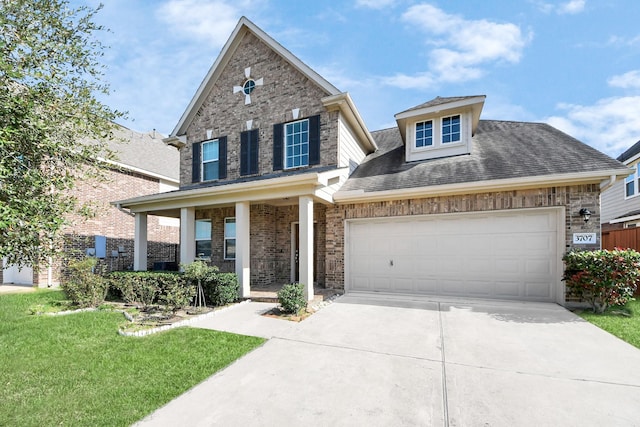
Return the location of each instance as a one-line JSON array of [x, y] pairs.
[[314, 140], [254, 140], [244, 153], [222, 157], [278, 154], [196, 163]]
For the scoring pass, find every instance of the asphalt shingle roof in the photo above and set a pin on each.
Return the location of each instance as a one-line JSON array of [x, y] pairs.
[[501, 150], [630, 152], [146, 151]]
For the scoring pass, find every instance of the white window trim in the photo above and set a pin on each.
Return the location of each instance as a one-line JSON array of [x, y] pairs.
[[284, 144], [224, 242], [636, 185], [437, 134], [202, 239], [202, 161]]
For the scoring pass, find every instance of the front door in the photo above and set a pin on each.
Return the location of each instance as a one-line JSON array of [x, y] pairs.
[[295, 273]]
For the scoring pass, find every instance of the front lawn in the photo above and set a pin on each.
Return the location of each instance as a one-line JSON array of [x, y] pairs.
[[77, 370], [626, 328]]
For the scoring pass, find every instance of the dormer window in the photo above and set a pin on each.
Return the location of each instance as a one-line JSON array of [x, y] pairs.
[[451, 129], [442, 127], [424, 134]]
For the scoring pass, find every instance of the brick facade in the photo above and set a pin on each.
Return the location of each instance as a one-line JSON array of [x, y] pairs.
[[270, 239], [573, 198], [118, 226], [225, 113]]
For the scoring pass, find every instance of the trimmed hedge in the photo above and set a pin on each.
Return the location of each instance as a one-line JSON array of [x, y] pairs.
[[150, 287], [602, 277], [219, 288]]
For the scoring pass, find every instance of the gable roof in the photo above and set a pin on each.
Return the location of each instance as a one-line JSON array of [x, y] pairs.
[[243, 27], [145, 153], [504, 153], [630, 153], [440, 100]]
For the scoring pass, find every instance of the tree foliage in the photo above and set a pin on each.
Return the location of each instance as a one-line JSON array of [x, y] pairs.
[[52, 127]]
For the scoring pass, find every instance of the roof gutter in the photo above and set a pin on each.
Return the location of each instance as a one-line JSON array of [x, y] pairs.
[[496, 185]]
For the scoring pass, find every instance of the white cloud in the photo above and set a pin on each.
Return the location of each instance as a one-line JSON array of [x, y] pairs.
[[211, 20], [629, 80], [375, 4], [572, 7], [463, 48], [611, 125]]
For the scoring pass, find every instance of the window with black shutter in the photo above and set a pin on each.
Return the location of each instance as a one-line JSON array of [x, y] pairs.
[[249, 146]]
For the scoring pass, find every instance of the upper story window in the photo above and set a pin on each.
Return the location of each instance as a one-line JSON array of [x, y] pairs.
[[632, 184], [424, 134], [296, 144], [438, 132], [229, 238], [203, 238], [210, 160], [451, 129]]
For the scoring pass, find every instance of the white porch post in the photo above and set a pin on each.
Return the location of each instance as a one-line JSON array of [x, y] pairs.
[[140, 242], [187, 235], [243, 269], [306, 244]]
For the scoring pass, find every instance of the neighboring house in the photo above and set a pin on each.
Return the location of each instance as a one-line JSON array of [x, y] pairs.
[[621, 206], [281, 181], [144, 165], [621, 202]]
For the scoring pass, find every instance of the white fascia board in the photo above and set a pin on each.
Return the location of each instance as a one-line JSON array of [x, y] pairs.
[[243, 191], [227, 51], [624, 219], [474, 187], [440, 107], [347, 108]]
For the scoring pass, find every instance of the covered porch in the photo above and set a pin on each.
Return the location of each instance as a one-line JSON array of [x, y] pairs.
[[268, 231]]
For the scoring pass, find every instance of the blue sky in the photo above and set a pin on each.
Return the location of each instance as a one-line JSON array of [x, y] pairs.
[[574, 64]]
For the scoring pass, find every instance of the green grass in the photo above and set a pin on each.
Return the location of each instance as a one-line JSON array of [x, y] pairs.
[[626, 328], [76, 369]]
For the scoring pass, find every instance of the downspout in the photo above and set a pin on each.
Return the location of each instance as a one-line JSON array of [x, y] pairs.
[[605, 185]]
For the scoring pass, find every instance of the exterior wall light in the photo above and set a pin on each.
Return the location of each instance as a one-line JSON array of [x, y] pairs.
[[585, 214]]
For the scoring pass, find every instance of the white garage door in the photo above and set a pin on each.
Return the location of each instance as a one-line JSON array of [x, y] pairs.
[[504, 255]]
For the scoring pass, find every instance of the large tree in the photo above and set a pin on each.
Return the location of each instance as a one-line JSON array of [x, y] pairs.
[[50, 77]]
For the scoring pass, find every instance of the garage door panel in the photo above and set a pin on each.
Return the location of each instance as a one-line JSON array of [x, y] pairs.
[[541, 290], [512, 255]]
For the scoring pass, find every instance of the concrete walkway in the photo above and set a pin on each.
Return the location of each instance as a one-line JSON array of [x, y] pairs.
[[12, 289], [368, 360]]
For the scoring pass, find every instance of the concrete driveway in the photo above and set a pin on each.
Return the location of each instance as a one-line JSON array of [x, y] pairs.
[[385, 361]]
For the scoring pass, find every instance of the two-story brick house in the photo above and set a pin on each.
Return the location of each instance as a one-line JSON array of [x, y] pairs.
[[281, 181], [143, 165]]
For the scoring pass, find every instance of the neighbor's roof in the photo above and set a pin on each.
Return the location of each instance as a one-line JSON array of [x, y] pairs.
[[631, 152], [145, 153], [501, 150]]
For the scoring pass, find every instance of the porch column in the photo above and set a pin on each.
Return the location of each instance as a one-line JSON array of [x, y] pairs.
[[243, 269], [306, 245], [187, 235], [140, 242]]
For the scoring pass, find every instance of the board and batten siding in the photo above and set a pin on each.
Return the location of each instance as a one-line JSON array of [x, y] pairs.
[[613, 203], [350, 154]]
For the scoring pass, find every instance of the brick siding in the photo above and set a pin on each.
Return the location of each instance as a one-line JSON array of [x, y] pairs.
[[225, 114], [573, 198]]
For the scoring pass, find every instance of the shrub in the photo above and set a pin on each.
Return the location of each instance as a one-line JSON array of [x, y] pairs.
[[291, 298], [83, 285], [602, 278], [174, 290], [221, 288], [136, 286], [196, 274]]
